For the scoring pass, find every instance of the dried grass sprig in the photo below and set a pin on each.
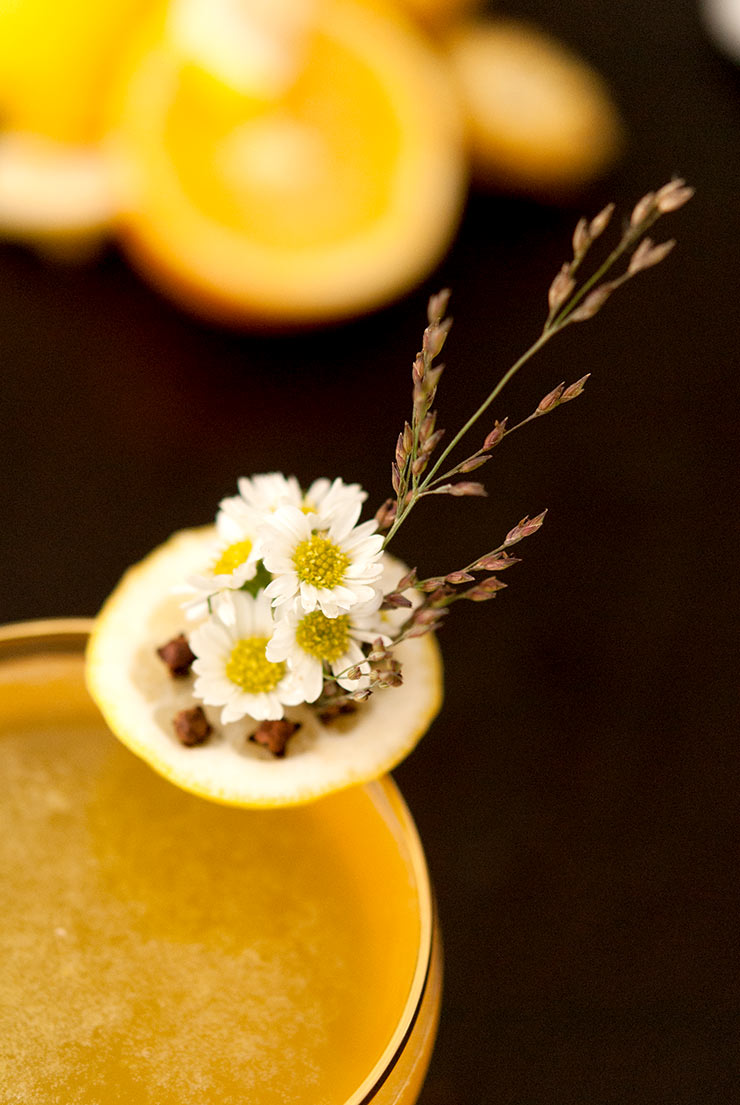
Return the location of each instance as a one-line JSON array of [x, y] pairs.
[[414, 475], [438, 593]]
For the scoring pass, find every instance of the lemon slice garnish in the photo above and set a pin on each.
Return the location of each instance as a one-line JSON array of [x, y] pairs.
[[139, 699]]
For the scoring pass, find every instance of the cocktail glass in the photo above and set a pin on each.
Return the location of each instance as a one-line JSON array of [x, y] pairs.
[[158, 948]]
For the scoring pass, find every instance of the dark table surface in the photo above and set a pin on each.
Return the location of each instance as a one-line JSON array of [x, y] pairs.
[[579, 796]]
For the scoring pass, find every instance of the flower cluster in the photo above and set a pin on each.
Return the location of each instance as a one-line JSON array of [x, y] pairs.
[[294, 607], [292, 594]]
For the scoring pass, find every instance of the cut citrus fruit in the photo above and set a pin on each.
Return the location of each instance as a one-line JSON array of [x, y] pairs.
[[436, 13], [56, 60], [139, 700], [540, 119], [322, 180], [52, 192]]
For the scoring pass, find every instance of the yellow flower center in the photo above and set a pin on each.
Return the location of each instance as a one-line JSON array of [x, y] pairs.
[[322, 637], [319, 561], [250, 669], [232, 557]]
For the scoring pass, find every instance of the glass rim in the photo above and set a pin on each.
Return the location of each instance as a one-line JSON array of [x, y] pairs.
[[59, 635]]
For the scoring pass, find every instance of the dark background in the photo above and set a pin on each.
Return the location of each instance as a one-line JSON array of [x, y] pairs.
[[579, 795]]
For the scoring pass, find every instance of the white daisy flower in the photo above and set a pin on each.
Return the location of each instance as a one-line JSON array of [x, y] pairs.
[[232, 669], [309, 641], [327, 498], [330, 567], [332, 500], [236, 555], [265, 493]]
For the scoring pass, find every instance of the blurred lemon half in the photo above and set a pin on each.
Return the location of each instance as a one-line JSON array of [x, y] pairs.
[[285, 170]]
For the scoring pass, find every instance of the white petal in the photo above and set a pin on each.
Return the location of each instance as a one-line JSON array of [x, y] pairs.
[[291, 690], [341, 598], [223, 607], [262, 623], [309, 597], [316, 493], [366, 571], [281, 642], [288, 523], [364, 535], [211, 638], [282, 588], [266, 707], [244, 615], [342, 520], [234, 710]]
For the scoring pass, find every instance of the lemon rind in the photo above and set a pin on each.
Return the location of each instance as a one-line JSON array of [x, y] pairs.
[[138, 699]]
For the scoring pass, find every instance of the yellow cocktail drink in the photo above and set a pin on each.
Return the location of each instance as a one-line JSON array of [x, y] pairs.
[[158, 948]]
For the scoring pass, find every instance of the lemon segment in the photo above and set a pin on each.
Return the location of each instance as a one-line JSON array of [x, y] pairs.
[[139, 700]]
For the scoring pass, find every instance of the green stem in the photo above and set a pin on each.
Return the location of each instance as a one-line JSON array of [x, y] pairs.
[[400, 515], [552, 326], [541, 340], [405, 509]]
